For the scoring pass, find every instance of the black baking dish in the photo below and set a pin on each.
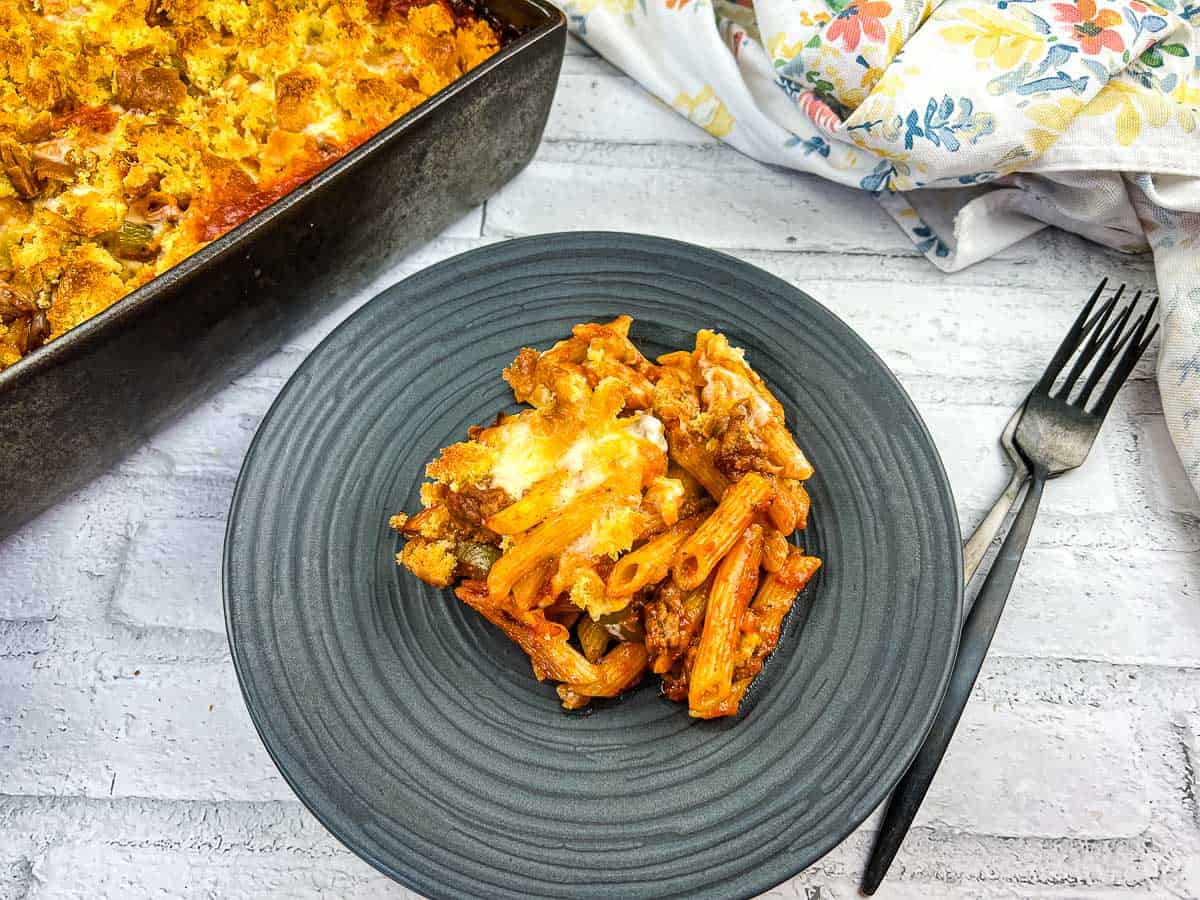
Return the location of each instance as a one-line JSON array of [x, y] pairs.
[[71, 409]]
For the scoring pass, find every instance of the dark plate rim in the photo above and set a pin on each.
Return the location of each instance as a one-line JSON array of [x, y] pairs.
[[943, 487], [232, 241]]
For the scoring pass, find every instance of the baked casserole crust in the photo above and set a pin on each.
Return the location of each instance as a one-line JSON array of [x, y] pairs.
[[134, 133]]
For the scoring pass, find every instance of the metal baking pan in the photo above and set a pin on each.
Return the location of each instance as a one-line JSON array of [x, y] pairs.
[[71, 409]]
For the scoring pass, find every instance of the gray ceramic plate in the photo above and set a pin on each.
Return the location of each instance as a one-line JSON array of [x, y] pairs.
[[415, 732]]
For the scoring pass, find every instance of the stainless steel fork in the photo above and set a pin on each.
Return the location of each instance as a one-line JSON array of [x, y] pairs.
[[1053, 435], [976, 547]]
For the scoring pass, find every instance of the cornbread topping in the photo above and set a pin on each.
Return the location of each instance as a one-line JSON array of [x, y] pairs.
[[133, 133]]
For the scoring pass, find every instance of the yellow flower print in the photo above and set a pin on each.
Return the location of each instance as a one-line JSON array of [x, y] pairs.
[[1133, 104], [871, 78], [894, 78], [852, 98], [882, 112], [873, 75], [848, 162], [896, 156], [1187, 95], [780, 49], [827, 61], [1005, 39], [706, 110], [1050, 121], [616, 7], [895, 42], [1187, 106]]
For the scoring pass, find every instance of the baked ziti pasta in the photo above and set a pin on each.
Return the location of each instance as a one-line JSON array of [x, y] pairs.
[[634, 519]]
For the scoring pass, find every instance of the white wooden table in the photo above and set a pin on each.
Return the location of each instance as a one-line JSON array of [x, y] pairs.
[[128, 765]]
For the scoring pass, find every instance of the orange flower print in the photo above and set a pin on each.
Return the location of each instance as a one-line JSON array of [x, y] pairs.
[[676, 4], [819, 112], [1091, 27], [858, 19]]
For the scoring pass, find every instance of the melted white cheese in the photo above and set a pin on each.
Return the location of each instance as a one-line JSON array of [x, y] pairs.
[[523, 458], [519, 461], [649, 428]]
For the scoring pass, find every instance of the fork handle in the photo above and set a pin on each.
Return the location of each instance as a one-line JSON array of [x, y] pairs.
[[976, 638], [976, 548]]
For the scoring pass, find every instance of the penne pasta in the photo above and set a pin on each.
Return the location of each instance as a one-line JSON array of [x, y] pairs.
[[613, 335], [782, 511], [712, 540], [638, 389], [764, 618], [681, 359], [733, 586], [620, 325], [634, 517], [547, 541], [544, 643], [789, 510], [713, 351], [728, 706], [620, 670], [782, 449], [693, 458], [676, 403], [775, 550], [539, 501], [529, 590], [650, 563], [802, 502]]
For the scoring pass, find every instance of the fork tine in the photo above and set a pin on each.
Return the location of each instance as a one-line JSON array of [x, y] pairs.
[[1101, 315], [1113, 299], [1116, 335], [1098, 330], [1141, 340], [1071, 342]]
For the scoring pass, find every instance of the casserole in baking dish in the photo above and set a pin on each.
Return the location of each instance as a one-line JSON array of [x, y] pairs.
[[71, 409], [131, 135]]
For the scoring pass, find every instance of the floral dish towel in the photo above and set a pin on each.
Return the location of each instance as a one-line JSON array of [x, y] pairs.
[[1083, 114]]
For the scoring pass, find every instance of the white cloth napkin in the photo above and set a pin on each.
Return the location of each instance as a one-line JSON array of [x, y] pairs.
[[1083, 114]]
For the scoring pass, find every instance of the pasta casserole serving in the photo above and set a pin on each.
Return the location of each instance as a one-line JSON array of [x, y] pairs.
[[634, 519]]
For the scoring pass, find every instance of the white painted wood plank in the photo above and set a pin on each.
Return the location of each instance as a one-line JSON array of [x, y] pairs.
[[718, 201], [594, 103]]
